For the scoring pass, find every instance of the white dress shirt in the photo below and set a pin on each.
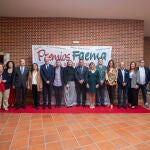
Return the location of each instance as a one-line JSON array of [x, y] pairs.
[[123, 73], [34, 77], [142, 75]]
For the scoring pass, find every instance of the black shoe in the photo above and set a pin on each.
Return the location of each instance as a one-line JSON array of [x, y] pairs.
[[33, 106], [49, 106], [97, 105], [44, 107], [119, 106], [125, 107], [24, 107], [83, 105], [17, 108], [77, 105], [37, 107]]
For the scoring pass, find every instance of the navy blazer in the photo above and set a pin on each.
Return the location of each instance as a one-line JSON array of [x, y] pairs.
[[61, 74], [47, 74], [6, 76], [147, 73], [20, 79], [120, 77], [79, 75]]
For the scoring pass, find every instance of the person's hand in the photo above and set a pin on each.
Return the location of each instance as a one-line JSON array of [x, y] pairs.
[[4, 81], [110, 83], [124, 84], [81, 81], [101, 82], [97, 86], [13, 87], [136, 86], [87, 86], [47, 82], [67, 85]]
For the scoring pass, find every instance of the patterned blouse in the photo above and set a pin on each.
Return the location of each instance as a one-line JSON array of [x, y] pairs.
[[111, 76]]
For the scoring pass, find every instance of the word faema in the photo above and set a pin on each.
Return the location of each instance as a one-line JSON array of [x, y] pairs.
[[88, 55]]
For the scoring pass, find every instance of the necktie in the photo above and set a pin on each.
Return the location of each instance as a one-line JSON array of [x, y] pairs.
[[81, 68], [22, 70]]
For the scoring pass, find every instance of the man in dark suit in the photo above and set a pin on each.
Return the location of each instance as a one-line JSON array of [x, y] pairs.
[[80, 72], [144, 80], [20, 79], [58, 83], [122, 80], [47, 74]]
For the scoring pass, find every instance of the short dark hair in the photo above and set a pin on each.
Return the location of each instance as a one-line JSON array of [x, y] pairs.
[[58, 60], [81, 59], [100, 58]]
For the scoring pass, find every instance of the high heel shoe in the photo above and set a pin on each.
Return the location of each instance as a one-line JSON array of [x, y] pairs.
[[129, 105], [133, 107], [111, 106]]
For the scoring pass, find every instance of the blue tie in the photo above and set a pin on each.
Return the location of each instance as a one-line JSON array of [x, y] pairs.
[[22, 70]]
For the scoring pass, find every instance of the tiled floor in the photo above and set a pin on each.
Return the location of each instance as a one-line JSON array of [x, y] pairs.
[[75, 131]]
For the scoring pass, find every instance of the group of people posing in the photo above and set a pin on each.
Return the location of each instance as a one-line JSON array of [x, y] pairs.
[[68, 82]]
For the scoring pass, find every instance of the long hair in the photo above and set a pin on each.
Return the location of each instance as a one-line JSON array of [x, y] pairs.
[[131, 64], [7, 65], [33, 65], [108, 66]]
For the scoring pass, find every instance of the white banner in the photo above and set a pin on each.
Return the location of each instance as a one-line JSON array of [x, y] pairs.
[[74, 53]]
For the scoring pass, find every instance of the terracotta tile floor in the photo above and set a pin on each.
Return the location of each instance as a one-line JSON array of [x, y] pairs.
[[74, 131]]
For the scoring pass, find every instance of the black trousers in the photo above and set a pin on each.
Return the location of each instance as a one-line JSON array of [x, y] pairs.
[[133, 96], [111, 93], [47, 90], [81, 89], [58, 95], [100, 95], [36, 95], [122, 91], [20, 94]]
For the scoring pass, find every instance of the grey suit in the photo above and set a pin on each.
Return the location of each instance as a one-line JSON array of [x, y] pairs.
[[20, 83]]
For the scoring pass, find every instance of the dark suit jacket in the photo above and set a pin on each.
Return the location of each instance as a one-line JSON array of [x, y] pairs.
[[79, 75], [147, 73], [120, 77], [61, 74], [6, 76], [20, 79], [47, 74]]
